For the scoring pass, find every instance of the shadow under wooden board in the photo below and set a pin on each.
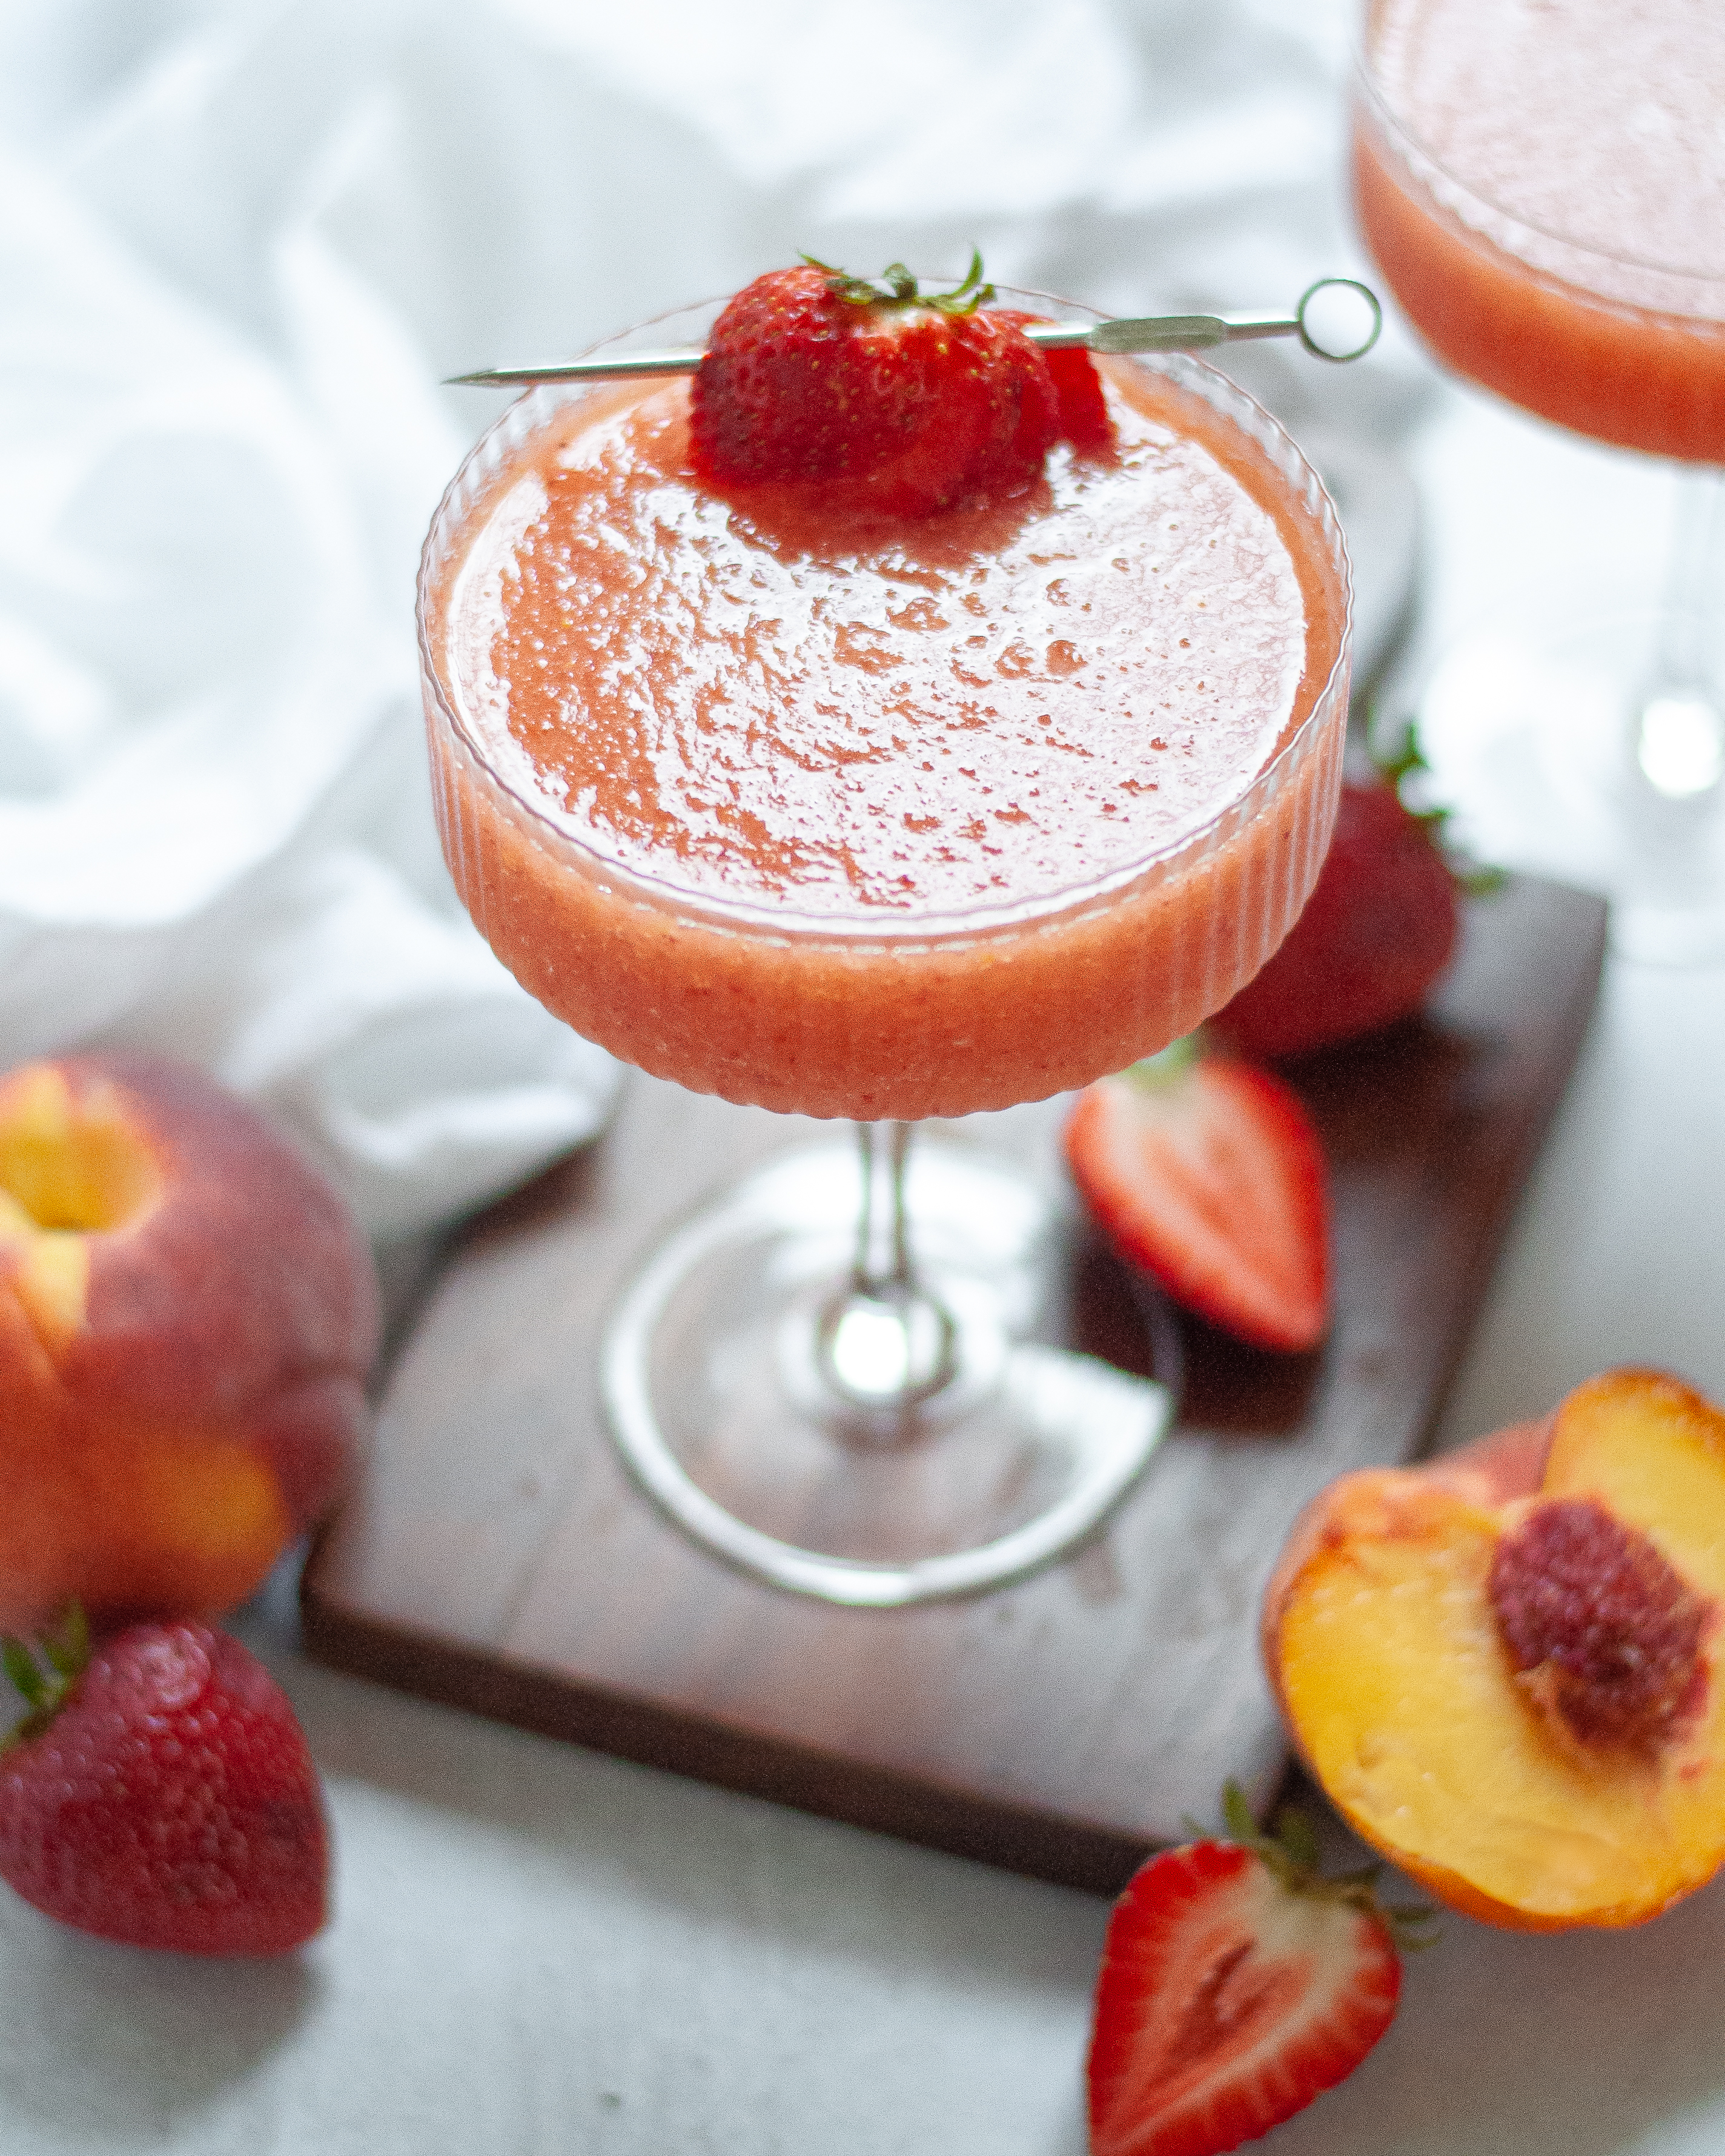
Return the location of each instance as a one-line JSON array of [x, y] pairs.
[[496, 1555]]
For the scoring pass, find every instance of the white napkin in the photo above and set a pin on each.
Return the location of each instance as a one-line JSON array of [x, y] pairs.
[[238, 243], [215, 830]]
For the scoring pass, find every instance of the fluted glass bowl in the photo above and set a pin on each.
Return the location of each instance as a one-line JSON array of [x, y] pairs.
[[912, 1014]]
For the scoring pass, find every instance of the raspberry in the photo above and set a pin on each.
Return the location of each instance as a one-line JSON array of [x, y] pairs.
[[1614, 1628]]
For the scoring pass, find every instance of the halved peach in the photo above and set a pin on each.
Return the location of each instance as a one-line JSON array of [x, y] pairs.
[[1501, 1666]]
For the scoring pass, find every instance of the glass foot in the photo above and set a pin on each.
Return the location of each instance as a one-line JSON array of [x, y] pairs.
[[875, 1441], [1567, 759]]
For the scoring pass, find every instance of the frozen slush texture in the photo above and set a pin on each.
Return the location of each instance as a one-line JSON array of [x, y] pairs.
[[854, 818]]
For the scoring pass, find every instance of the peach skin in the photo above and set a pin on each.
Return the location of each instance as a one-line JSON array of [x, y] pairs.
[[1501, 1666], [188, 1314]]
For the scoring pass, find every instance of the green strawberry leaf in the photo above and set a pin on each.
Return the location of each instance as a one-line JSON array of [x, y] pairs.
[[1291, 1853], [1403, 758], [26, 1674], [896, 287], [1297, 1834], [1158, 1073], [66, 1649], [67, 1646]]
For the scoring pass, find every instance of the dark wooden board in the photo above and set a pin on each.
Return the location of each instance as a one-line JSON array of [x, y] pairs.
[[496, 1555]]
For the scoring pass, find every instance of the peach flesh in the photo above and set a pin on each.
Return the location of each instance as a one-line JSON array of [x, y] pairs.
[[1395, 1678]]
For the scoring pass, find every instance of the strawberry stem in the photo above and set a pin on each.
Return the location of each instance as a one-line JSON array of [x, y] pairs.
[[65, 1649], [1159, 1073], [1290, 1852], [22, 1668], [67, 1646], [1404, 758], [896, 287]]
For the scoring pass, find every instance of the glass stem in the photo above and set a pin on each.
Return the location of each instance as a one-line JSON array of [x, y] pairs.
[[881, 1267], [1679, 725], [886, 1342]]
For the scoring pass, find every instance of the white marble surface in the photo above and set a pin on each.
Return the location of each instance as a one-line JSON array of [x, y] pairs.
[[539, 1950]]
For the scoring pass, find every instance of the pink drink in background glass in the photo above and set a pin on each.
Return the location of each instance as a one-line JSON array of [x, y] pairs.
[[1544, 188], [1544, 184]]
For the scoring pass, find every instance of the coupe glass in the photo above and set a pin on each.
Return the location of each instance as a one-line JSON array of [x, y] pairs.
[[843, 1374], [1592, 747]]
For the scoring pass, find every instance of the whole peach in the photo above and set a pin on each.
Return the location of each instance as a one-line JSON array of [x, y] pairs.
[[188, 1314]]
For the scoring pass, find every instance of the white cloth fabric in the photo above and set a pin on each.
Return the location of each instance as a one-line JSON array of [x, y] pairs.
[[240, 240], [217, 452]]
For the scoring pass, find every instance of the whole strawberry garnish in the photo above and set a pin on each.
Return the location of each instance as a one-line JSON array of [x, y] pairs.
[[897, 400], [160, 1792], [1237, 1984], [1376, 931], [1207, 1172]]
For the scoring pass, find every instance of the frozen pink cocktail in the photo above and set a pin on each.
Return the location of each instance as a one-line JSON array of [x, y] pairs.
[[885, 820]]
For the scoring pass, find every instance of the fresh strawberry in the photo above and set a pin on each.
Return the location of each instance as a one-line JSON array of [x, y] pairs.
[[906, 403], [1376, 933], [160, 1792], [1207, 1172], [1237, 1984], [1084, 420]]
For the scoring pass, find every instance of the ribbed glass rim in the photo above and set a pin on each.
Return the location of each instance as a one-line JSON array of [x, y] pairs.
[[1709, 283], [527, 417]]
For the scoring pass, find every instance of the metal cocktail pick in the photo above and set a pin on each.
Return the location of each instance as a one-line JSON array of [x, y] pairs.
[[1125, 333]]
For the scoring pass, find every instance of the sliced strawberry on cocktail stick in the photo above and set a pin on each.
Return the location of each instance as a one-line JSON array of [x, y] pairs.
[[1237, 1984], [1206, 1173], [1084, 420]]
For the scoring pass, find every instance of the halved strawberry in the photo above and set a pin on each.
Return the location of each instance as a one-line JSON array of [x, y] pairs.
[[1237, 1984], [909, 403], [1207, 1172]]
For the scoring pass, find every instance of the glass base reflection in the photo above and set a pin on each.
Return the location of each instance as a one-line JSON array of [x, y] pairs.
[[824, 1415]]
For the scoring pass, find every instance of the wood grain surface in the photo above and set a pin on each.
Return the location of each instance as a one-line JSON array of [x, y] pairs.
[[496, 1556]]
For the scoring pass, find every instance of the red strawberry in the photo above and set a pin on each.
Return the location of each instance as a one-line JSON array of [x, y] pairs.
[[1207, 1172], [1084, 412], [1237, 1984], [910, 404], [161, 1794], [1084, 420], [1376, 932]]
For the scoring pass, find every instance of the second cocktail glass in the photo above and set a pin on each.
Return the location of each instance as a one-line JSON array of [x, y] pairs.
[[1542, 189], [843, 1374]]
